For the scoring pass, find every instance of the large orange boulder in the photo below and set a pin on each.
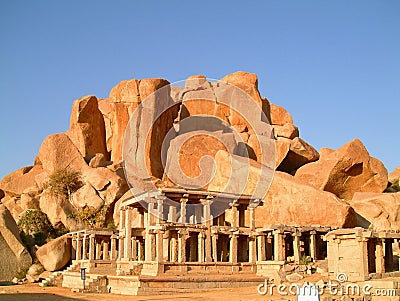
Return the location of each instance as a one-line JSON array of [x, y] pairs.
[[59, 152], [279, 115], [291, 202], [285, 199], [345, 171], [299, 154], [14, 257], [55, 254], [87, 129], [379, 211], [18, 181]]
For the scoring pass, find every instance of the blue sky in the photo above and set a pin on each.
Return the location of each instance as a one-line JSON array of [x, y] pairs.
[[334, 65]]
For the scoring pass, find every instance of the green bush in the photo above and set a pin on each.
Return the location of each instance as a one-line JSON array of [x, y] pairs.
[[63, 183], [91, 217]]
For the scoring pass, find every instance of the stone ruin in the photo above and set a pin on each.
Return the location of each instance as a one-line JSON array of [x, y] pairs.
[[266, 200]]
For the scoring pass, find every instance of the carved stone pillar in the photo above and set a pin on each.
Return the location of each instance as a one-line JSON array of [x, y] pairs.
[[200, 247], [128, 234], [313, 245], [296, 247], [183, 217], [252, 249], [105, 251], [84, 246], [279, 246], [182, 246], [78, 247], [113, 253], [261, 248], [233, 248], [91, 246]]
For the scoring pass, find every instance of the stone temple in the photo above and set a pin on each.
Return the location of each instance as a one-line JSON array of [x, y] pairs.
[[217, 190]]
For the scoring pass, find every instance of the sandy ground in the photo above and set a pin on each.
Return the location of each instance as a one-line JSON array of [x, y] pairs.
[[34, 292]]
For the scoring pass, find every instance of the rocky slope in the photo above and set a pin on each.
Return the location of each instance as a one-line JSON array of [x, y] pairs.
[[310, 187]]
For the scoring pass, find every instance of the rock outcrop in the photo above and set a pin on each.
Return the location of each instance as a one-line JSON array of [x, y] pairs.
[[288, 201], [394, 175], [87, 129], [378, 211], [14, 257], [55, 254], [347, 170]]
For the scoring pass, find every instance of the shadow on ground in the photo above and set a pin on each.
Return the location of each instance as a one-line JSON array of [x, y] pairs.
[[35, 297]]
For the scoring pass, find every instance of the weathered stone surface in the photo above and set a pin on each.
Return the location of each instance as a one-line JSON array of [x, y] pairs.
[[394, 175], [55, 254], [239, 175], [380, 211], [282, 146], [345, 171], [97, 160], [109, 184], [300, 153], [57, 210], [294, 277], [248, 82], [58, 152], [279, 115], [287, 201], [189, 158], [13, 255], [35, 269], [126, 91], [86, 196], [287, 130], [18, 205], [291, 202], [87, 128], [15, 183]]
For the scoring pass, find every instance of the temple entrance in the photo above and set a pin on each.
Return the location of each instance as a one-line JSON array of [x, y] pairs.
[[243, 248], [192, 247]]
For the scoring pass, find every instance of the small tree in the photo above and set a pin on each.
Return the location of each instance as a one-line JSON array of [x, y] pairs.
[[90, 216], [34, 227], [63, 183]]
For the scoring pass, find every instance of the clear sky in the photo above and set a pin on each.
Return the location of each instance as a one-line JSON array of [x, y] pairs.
[[334, 65]]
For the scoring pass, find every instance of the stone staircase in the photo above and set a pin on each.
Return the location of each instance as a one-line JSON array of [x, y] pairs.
[[56, 279], [93, 284]]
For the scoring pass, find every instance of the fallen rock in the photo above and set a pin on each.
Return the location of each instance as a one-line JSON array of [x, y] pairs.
[[14, 257], [379, 211], [282, 146], [58, 152], [345, 171], [87, 129], [97, 160], [287, 130], [18, 181], [35, 269], [279, 115], [299, 154], [55, 254]]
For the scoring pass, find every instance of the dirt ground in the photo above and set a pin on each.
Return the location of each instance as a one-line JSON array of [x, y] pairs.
[[33, 292]]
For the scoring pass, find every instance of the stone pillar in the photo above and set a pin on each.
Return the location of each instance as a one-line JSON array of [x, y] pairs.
[[149, 247], [183, 210], [214, 240], [252, 218], [113, 253], [151, 212], [159, 246], [172, 214], [122, 218], [200, 247], [165, 246], [140, 250], [78, 247], [160, 211], [73, 249], [120, 246], [173, 249], [206, 218], [208, 247], [252, 249], [134, 249], [261, 248], [379, 256], [91, 246], [182, 246], [313, 245], [98, 251], [296, 247], [279, 246], [235, 216], [84, 246], [233, 248], [105, 251], [128, 234]]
